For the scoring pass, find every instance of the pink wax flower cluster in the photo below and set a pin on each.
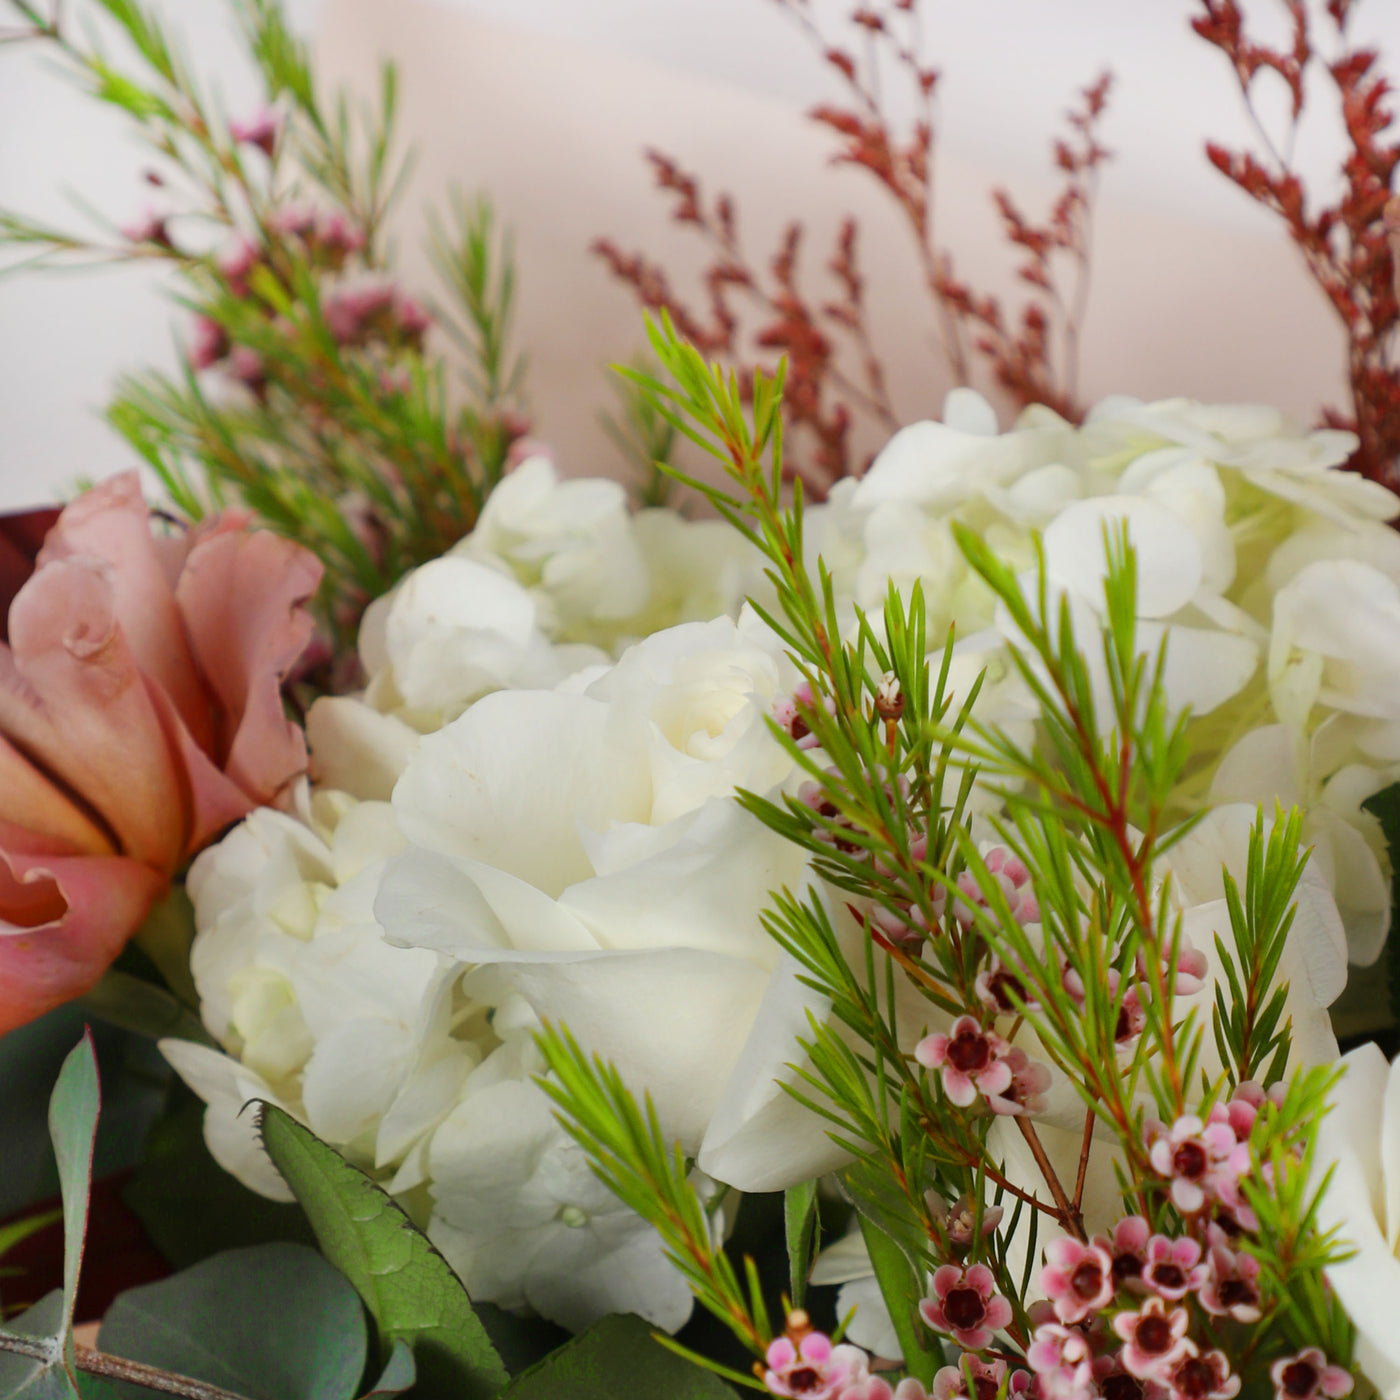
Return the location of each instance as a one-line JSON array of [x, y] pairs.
[[1125, 1314], [140, 714], [803, 1364]]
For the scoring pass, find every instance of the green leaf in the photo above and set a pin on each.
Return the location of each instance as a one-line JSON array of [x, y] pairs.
[[617, 1356], [166, 937], [406, 1284], [803, 1229], [73, 1111], [189, 1206], [275, 1322], [900, 1287], [143, 1008]]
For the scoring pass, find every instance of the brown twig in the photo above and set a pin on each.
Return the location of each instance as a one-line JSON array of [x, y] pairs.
[[1070, 1215], [1085, 1145], [118, 1368]]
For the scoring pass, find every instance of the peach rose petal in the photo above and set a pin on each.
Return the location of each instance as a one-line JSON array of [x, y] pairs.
[[72, 696], [63, 919], [240, 596], [111, 523], [33, 802], [212, 800]]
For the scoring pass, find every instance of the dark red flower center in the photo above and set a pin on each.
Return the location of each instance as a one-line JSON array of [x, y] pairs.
[[1153, 1334], [1087, 1279], [964, 1307], [1299, 1378], [984, 1388], [1168, 1276], [1189, 1160], [1002, 982], [1195, 1378], [804, 1378], [1126, 1266], [969, 1052], [1237, 1292]]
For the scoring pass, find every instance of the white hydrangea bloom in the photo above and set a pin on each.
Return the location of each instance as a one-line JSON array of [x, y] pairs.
[[1264, 568]]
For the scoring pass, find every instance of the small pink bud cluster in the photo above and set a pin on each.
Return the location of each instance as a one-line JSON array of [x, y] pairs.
[[1011, 876], [975, 1379], [787, 712], [959, 1221], [260, 130], [327, 239], [374, 312], [973, 1061]]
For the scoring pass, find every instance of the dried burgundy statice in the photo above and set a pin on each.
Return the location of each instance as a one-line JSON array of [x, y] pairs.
[[835, 372], [1348, 245]]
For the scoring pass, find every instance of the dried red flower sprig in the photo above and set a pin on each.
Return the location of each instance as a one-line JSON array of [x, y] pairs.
[[1349, 246], [1032, 354]]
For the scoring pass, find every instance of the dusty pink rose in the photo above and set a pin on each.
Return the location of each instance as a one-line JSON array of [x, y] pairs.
[[140, 714]]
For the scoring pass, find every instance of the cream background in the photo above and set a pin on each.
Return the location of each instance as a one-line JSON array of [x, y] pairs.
[[547, 104]]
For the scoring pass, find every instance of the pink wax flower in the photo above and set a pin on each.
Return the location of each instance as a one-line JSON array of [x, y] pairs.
[[1008, 873], [140, 715], [1173, 1267], [1308, 1375], [1077, 1278], [970, 1060], [208, 343], [1127, 1248], [960, 1220], [1191, 968], [804, 1365], [149, 228], [785, 713], [1196, 1158], [975, 1379], [1232, 1287], [1030, 1082], [996, 986], [260, 130], [1204, 1377], [876, 1388], [236, 264], [1062, 1362], [966, 1305], [1155, 1339]]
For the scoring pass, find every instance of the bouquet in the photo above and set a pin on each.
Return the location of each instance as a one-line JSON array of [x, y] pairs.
[[896, 908]]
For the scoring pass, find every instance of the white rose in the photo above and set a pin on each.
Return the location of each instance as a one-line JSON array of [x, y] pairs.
[[1360, 1145], [586, 846]]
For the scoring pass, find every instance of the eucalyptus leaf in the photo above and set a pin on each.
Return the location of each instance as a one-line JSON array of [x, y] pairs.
[[617, 1356], [899, 1287], [409, 1288], [73, 1111], [36, 1378], [275, 1322], [802, 1227]]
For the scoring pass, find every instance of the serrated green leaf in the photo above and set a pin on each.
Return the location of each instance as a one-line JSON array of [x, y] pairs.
[[899, 1288], [73, 1111], [410, 1290], [802, 1228], [617, 1356], [275, 1322]]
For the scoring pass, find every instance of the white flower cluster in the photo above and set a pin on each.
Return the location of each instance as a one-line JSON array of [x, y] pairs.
[[1269, 573], [530, 812]]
